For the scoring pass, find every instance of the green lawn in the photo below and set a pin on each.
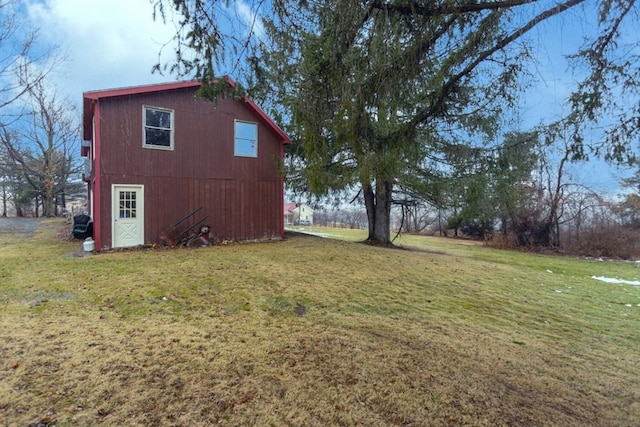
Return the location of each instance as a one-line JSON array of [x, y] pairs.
[[314, 331]]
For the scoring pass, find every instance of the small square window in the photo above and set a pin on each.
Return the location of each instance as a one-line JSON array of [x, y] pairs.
[[157, 128], [246, 139]]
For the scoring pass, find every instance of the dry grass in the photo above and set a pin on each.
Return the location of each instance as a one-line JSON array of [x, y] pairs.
[[314, 332]]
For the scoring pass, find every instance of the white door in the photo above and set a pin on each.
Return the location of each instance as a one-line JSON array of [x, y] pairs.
[[128, 216]]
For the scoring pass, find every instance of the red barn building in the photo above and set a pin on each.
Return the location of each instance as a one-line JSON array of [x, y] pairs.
[[158, 153]]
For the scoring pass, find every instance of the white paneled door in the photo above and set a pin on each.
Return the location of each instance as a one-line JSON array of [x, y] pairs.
[[128, 215]]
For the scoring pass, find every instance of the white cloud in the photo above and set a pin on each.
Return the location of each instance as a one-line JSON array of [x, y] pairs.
[[250, 19], [106, 44]]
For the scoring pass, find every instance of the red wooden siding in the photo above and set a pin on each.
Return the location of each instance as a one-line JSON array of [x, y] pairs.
[[242, 196]]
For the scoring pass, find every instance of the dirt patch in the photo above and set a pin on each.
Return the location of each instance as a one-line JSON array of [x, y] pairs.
[[20, 226]]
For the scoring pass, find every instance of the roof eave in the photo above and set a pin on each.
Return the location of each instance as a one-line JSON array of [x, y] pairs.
[[92, 97]]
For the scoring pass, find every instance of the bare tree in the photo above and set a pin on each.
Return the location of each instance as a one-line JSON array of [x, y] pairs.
[[17, 58], [42, 143], [415, 216], [579, 206], [22, 68]]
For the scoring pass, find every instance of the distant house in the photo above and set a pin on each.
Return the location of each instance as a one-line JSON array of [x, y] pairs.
[[298, 214], [160, 158]]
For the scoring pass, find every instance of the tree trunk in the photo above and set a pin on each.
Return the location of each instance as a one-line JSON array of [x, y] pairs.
[[47, 197], [63, 202], [378, 204], [5, 196], [370, 205]]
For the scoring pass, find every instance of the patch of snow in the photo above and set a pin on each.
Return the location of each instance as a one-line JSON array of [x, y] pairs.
[[558, 291], [628, 305], [618, 281], [549, 271]]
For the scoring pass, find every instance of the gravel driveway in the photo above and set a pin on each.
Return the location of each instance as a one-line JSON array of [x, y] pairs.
[[24, 226]]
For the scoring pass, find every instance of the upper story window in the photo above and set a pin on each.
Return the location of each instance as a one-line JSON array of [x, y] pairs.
[[246, 139], [157, 128]]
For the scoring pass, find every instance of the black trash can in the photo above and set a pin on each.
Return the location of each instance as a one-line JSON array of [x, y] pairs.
[[82, 227]]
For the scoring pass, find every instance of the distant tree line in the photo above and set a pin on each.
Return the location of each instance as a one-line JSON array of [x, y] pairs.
[[518, 194], [586, 222], [345, 217]]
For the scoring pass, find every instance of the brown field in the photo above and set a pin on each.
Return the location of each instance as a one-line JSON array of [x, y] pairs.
[[314, 332]]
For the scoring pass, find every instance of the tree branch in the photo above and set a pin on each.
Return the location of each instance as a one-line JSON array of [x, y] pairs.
[[429, 112], [448, 8]]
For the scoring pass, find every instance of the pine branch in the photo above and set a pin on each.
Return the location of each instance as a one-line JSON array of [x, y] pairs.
[[449, 86], [447, 8]]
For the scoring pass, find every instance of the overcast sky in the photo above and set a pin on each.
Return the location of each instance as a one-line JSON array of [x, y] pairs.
[[115, 43], [105, 43]]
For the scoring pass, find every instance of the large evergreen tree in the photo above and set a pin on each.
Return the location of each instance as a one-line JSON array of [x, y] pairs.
[[378, 92], [383, 88]]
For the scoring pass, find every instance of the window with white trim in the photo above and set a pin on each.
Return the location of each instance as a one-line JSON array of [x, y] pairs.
[[157, 128], [246, 139]]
